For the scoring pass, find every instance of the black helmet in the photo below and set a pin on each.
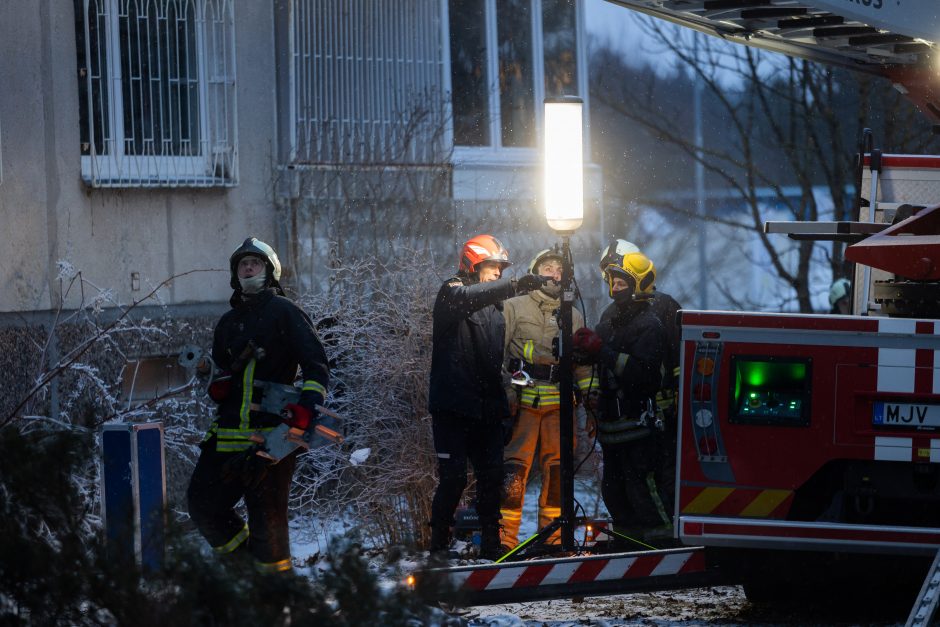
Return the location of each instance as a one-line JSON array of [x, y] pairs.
[[254, 246]]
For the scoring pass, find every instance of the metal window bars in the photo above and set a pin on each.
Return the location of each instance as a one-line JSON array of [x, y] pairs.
[[158, 93], [366, 82]]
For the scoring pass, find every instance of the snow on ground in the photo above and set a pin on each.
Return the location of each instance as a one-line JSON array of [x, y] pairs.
[[719, 605]]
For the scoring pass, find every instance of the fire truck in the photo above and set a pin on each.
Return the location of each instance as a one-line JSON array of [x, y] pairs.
[[808, 444]]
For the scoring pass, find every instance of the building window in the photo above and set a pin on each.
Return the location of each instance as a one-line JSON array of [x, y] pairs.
[[506, 57], [365, 81], [157, 92]]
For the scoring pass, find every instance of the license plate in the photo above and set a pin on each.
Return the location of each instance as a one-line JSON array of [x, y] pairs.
[[915, 415]]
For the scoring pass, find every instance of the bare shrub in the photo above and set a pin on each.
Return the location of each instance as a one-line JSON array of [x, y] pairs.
[[74, 377], [375, 323]]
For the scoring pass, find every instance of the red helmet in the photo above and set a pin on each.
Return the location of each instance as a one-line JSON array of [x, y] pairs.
[[482, 248]]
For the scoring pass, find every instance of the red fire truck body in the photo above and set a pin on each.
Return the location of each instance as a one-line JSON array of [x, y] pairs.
[[809, 432]]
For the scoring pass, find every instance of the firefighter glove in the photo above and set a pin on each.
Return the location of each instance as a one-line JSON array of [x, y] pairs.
[[219, 390], [298, 416], [529, 283], [587, 341]]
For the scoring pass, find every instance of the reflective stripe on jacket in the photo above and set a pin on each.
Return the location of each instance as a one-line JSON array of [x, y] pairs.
[[284, 340], [531, 326]]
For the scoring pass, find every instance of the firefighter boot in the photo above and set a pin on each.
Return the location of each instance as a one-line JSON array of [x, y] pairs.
[[440, 542], [490, 548]]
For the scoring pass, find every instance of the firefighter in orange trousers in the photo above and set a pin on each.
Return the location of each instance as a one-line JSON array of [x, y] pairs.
[[531, 326], [665, 308], [466, 398], [628, 348], [264, 338]]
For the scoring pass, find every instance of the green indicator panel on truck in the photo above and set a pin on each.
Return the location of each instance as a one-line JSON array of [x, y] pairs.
[[770, 391]]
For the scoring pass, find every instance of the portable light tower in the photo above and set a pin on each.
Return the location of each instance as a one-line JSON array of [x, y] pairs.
[[564, 211]]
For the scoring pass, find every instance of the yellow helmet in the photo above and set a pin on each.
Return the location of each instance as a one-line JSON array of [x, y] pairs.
[[634, 267]]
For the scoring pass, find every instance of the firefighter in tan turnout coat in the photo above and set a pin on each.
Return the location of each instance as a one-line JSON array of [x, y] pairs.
[[531, 325]]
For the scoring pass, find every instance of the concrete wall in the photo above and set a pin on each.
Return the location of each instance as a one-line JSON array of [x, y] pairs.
[[49, 214]]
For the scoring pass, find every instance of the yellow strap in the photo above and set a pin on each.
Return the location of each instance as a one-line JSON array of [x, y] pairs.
[[528, 350], [274, 567], [212, 429], [587, 384], [234, 440], [511, 514], [232, 447], [234, 543], [241, 433], [314, 386], [248, 379]]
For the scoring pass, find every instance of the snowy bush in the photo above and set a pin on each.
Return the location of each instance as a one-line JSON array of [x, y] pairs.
[[375, 323], [54, 565], [69, 378]]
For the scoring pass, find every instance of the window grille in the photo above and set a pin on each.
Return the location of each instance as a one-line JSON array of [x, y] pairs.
[[157, 92], [366, 82]]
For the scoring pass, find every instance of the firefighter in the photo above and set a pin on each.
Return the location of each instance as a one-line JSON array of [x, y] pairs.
[[666, 308], [263, 338], [840, 297], [628, 348], [531, 326], [467, 399]]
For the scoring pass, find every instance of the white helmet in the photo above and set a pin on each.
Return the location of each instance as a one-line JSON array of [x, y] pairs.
[[839, 289]]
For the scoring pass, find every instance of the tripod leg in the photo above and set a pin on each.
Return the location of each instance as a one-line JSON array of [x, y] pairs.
[[539, 538]]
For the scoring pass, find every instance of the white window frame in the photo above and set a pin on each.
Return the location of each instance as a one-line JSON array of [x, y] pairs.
[[495, 152], [217, 161]]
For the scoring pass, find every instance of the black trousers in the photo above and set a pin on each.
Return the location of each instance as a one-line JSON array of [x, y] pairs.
[[213, 495], [664, 471], [624, 488], [458, 439]]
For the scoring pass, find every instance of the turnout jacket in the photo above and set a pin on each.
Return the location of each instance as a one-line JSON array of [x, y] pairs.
[[531, 326], [282, 339], [467, 349], [629, 364], [665, 307]]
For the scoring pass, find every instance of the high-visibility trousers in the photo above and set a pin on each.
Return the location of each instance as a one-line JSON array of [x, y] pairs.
[[536, 430]]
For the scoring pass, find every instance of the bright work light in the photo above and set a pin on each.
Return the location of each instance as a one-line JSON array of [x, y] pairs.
[[564, 164], [564, 210]]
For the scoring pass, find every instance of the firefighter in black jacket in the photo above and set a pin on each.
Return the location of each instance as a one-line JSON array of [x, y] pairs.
[[665, 308], [264, 338], [628, 347], [467, 399]]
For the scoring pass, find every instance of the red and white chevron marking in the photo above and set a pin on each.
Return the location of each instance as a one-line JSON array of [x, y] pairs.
[[532, 574]]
